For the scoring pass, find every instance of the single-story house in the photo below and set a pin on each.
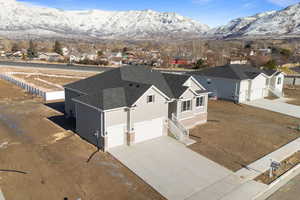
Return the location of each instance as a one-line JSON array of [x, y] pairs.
[[51, 56], [132, 104], [242, 83]]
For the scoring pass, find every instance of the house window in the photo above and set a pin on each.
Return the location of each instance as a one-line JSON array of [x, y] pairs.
[[279, 81], [186, 106], [200, 102], [150, 99]]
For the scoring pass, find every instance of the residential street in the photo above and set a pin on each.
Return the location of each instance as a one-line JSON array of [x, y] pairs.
[[288, 192]]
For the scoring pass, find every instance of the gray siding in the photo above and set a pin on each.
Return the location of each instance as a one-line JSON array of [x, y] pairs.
[[88, 121], [147, 111], [69, 104], [226, 88], [142, 112]]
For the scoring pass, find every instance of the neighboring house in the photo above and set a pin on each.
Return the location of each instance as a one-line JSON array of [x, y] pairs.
[[17, 54], [52, 56], [116, 61], [74, 58], [65, 51], [2, 54], [89, 56], [265, 52], [133, 104], [181, 61], [242, 82], [238, 61]]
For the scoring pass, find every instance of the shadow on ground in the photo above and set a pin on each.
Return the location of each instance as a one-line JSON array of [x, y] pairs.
[[58, 106], [61, 120]]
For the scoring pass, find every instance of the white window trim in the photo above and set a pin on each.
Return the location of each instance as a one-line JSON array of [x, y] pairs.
[[153, 98], [279, 81], [203, 102], [191, 105]]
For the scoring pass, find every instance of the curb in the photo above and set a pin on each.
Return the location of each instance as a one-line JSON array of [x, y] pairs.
[[277, 184], [1, 195]]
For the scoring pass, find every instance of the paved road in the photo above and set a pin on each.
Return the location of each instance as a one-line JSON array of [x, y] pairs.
[[276, 106], [288, 192], [67, 67], [55, 66]]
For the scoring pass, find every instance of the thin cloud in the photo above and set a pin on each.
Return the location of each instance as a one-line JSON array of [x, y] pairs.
[[201, 1], [283, 2]]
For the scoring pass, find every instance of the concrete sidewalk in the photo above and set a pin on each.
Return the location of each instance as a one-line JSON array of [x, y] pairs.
[[276, 106], [1, 195], [263, 164]]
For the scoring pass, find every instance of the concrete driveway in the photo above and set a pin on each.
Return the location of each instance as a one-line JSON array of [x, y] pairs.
[[169, 167], [276, 106]]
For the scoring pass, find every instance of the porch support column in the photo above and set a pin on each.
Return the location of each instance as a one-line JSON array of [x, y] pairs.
[[130, 127], [178, 109]]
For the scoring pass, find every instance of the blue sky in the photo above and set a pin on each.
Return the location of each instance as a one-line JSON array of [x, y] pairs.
[[211, 12]]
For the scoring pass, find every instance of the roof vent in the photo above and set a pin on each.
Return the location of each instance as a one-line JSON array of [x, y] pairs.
[[130, 84], [137, 86]]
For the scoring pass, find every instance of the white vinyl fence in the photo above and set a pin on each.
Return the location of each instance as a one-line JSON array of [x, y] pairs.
[[47, 96], [292, 80]]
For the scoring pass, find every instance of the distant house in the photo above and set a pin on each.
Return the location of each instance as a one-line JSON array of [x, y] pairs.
[[132, 104], [118, 61], [265, 52], [17, 54], [252, 53], [238, 61], [242, 83], [181, 61], [52, 57], [65, 51], [2, 54], [88, 56]]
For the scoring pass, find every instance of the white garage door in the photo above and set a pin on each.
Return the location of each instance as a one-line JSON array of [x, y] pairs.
[[148, 130], [116, 135]]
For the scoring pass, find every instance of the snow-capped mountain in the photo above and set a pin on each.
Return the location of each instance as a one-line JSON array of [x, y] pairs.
[[274, 23], [19, 20]]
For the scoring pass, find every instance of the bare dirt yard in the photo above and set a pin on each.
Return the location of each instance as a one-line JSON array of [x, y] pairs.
[[293, 92], [41, 160], [237, 135], [46, 79]]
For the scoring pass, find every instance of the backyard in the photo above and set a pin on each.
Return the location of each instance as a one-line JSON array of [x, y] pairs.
[[41, 160]]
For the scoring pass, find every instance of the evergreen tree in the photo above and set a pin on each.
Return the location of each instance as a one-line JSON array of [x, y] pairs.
[[272, 64], [199, 64], [31, 51], [57, 48]]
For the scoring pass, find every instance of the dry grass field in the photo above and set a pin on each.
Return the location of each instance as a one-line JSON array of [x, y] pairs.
[[237, 135]]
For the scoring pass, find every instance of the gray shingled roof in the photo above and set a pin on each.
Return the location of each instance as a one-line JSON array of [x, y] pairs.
[[123, 86], [237, 72]]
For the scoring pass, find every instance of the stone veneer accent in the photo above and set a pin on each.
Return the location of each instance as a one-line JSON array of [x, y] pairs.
[[130, 138], [194, 121]]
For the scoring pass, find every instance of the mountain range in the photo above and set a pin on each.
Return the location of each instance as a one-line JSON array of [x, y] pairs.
[[284, 22], [19, 20], [23, 21]]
